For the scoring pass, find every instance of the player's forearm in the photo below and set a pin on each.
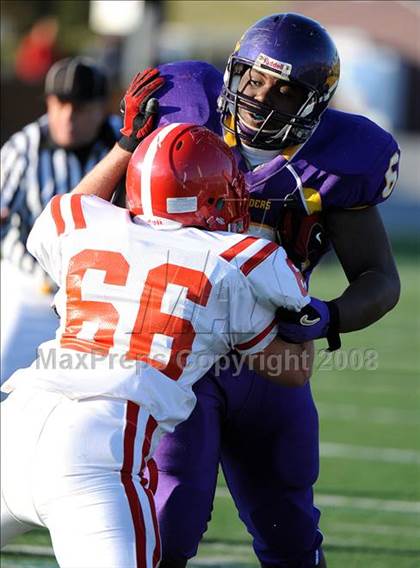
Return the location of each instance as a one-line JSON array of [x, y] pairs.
[[4, 214], [105, 176], [287, 364], [364, 251], [369, 297]]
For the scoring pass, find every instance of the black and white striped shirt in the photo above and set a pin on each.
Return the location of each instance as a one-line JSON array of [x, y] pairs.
[[33, 170]]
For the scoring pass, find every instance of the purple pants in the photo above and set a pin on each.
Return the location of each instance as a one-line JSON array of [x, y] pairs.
[[266, 438]]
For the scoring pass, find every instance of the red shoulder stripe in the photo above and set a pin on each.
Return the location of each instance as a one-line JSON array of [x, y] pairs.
[[299, 278], [77, 211], [257, 338], [56, 214], [258, 257], [233, 251]]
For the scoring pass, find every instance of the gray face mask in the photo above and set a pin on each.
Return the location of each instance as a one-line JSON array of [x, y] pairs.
[[291, 133]]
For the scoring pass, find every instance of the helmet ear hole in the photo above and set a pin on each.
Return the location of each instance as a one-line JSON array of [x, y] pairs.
[[179, 145], [220, 203], [210, 200]]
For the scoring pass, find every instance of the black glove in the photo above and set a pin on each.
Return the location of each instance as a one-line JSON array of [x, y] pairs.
[[139, 110]]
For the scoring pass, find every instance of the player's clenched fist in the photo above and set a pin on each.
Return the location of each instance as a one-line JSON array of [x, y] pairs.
[[317, 319], [139, 109]]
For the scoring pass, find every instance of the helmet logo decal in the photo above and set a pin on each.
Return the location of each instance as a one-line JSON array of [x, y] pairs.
[[330, 91], [181, 204], [266, 63]]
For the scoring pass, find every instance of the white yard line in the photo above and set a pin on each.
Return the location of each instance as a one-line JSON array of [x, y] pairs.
[[222, 553], [356, 528], [360, 541], [373, 415], [242, 552], [364, 503], [364, 453], [357, 390], [224, 560]]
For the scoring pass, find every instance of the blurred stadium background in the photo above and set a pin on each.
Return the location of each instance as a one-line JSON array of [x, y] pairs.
[[369, 489]]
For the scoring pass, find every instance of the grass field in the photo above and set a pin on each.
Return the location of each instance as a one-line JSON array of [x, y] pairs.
[[369, 487]]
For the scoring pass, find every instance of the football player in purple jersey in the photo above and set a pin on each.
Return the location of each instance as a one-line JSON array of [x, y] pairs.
[[316, 175]]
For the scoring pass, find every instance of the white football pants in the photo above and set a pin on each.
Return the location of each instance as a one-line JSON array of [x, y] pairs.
[[73, 467], [26, 318]]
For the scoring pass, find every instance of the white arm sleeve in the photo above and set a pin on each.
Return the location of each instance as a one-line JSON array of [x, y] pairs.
[[252, 322], [44, 243], [277, 281]]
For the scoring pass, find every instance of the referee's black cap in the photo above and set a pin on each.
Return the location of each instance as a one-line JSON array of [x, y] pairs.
[[76, 79]]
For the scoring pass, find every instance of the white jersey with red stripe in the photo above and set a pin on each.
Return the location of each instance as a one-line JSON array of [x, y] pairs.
[[145, 313]]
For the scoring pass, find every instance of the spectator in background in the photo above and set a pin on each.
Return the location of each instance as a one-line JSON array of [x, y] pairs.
[[47, 157], [37, 51]]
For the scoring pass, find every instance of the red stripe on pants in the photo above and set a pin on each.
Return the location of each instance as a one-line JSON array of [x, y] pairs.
[[157, 550], [130, 490], [150, 429]]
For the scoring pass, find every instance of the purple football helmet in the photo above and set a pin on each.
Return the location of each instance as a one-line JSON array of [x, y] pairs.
[[292, 48]]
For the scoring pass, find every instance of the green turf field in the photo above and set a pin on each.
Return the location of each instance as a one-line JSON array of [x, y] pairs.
[[369, 487]]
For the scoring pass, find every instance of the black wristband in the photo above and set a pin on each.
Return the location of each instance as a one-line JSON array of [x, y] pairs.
[[333, 335], [128, 143]]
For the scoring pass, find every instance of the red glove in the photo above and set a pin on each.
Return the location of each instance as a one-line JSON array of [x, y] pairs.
[[139, 110]]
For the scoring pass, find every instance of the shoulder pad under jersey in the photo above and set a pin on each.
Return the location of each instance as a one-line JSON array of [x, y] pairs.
[[356, 159]]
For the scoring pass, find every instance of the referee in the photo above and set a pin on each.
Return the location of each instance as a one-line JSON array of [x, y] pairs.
[[47, 157]]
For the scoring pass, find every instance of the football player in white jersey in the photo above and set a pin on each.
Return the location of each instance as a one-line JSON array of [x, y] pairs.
[[150, 297]]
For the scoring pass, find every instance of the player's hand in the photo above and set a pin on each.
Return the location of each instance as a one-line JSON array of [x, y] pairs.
[[317, 319], [139, 109]]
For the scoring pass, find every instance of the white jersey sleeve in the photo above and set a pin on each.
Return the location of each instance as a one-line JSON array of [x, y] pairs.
[[273, 277], [278, 280], [62, 215], [252, 322], [44, 239]]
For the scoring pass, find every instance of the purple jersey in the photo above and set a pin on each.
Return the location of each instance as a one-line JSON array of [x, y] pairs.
[[349, 161]]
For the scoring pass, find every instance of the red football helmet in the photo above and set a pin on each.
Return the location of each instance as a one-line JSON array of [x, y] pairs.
[[185, 175]]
